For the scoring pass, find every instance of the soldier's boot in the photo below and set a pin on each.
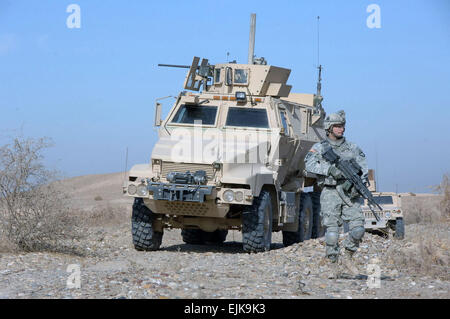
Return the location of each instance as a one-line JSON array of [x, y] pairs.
[[349, 263], [351, 244], [333, 266]]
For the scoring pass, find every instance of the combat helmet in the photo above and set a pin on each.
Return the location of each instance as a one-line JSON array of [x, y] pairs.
[[334, 119]]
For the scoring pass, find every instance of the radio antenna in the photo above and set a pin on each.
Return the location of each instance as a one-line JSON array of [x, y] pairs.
[[318, 42], [318, 98]]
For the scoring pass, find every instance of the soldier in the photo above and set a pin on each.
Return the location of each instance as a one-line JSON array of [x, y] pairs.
[[337, 205]]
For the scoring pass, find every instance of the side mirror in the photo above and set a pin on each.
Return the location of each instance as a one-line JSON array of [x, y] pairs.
[[158, 114]]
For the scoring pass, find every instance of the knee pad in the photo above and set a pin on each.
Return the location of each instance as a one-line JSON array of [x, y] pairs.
[[357, 233], [331, 238]]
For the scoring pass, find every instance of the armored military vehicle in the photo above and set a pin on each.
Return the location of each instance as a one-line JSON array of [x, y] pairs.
[[391, 217], [230, 157]]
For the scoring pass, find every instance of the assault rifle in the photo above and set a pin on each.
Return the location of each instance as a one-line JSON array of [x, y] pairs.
[[351, 172]]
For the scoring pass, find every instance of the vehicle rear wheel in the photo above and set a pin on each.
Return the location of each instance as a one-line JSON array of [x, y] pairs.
[[399, 228], [317, 229], [306, 218], [305, 223], [257, 224], [144, 236]]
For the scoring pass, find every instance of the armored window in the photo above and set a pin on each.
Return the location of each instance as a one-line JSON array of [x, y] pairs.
[[284, 122], [217, 76], [240, 76], [239, 116], [187, 114], [386, 200]]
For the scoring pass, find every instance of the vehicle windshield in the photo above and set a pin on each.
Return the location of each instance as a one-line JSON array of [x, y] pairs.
[[245, 117], [386, 200], [380, 200], [187, 114]]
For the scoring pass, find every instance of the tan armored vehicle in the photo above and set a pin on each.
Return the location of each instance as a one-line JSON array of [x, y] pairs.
[[230, 156]]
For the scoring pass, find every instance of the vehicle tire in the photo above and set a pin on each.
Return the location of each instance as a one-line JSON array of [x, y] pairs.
[[305, 220], [192, 236], [257, 224], [317, 229], [144, 237], [399, 228]]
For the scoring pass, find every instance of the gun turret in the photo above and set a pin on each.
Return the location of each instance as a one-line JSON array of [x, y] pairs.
[[197, 74], [175, 66]]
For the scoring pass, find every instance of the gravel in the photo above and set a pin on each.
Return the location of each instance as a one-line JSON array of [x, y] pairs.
[[111, 268]]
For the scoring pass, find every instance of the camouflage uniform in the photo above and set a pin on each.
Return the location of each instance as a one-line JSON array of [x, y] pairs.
[[334, 210]]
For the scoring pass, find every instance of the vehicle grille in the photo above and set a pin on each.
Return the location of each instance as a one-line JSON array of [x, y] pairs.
[[168, 167], [183, 208], [369, 215]]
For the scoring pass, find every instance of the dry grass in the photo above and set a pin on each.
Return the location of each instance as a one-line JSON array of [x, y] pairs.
[[427, 244], [444, 190], [426, 252], [104, 216], [422, 209]]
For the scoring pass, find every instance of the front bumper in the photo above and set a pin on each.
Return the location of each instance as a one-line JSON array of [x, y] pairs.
[[179, 192]]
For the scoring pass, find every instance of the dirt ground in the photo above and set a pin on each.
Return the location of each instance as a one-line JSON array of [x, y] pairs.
[[108, 266]]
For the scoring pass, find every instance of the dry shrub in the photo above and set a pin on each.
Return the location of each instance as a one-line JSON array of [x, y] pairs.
[[444, 190], [34, 212], [428, 254], [428, 209], [422, 209]]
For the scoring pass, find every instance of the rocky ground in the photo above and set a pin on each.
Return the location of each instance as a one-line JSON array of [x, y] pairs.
[[111, 268]]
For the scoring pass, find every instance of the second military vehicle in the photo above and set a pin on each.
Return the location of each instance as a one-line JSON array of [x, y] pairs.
[[391, 216], [230, 155]]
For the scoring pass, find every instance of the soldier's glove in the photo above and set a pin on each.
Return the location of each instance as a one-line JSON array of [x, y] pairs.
[[335, 172], [353, 193], [365, 180]]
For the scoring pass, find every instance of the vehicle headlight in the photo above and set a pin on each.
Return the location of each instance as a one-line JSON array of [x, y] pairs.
[[239, 196], [388, 215], [228, 195], [142, 190], [131, 189]]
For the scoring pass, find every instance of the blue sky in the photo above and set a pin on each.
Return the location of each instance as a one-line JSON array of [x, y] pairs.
[[92, 89]]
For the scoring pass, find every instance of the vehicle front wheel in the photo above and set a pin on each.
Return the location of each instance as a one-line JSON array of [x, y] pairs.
[[144, 236], [257, 224], [399, 228]]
